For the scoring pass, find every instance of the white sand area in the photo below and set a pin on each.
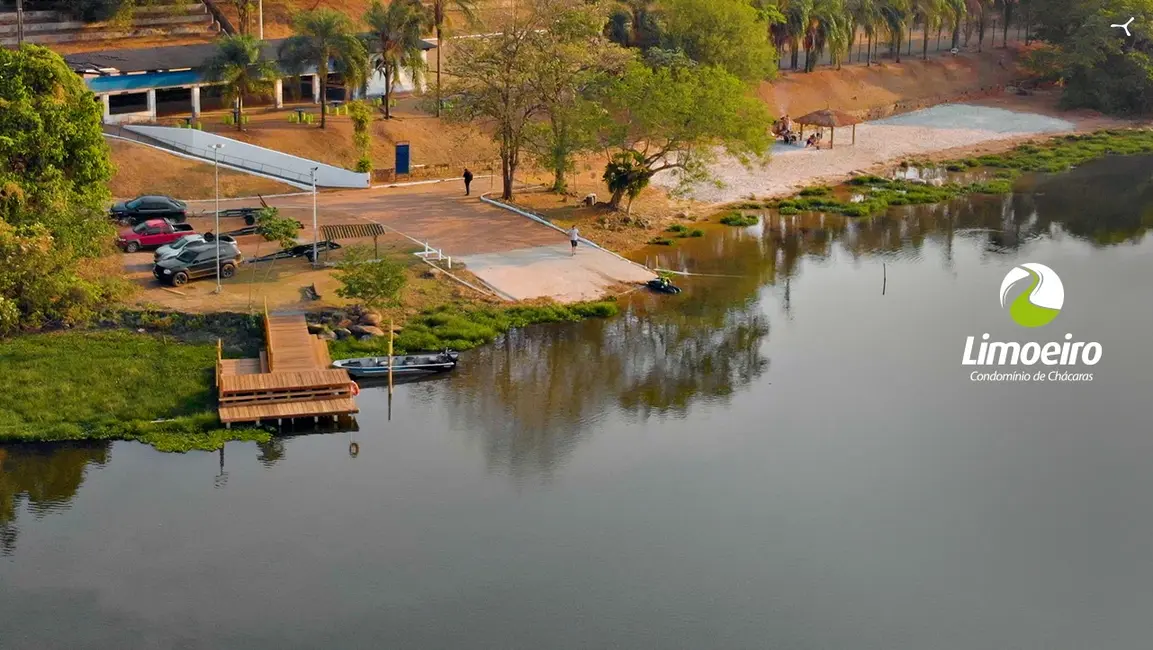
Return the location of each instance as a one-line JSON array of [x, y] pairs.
[[889, 140]]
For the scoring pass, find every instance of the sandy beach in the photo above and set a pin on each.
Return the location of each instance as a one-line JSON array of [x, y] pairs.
[[948, 127]]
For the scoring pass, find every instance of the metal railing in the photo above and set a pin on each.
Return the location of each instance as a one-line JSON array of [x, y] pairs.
[[235, 161]]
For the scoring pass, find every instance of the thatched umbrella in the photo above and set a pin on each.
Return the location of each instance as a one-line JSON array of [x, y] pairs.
[[829, 118]]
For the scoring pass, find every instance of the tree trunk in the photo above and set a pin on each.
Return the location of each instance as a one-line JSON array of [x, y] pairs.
[[439, 47], [956, 34], [1005, 27], [322, 72], [615, 200], [506, 172], [897, 50], [387, 93], [239, 111], [869, 52], [910, 52], [925, 44], [981, 31], [796, 56]]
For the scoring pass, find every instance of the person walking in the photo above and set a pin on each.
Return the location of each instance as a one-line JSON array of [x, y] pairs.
[[573, 236], [467, 181]]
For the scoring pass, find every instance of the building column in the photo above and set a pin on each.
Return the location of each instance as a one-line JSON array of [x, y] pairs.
[[195, 102], [104, 101], [152, 104], [315, 89], [279, 90]]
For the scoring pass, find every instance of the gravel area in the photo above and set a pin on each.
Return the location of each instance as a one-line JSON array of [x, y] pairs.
[[922, 132]]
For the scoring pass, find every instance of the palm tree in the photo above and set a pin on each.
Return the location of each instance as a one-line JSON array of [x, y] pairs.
[[955, 10], [240, 65], [439, 11], [865, 14], [396, 31], [324, 37], [895, 14], [827, 26], [797, 15], [929, 13]]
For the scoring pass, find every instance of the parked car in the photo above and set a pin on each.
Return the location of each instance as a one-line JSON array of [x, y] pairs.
[[152, 233], [173, 249], [143, 208], [198, 261]]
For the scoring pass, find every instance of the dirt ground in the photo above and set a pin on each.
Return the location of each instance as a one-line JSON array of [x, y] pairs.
[[282, 283], [143, 170]]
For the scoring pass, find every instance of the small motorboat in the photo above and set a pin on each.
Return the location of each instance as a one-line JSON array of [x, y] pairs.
[[402, 365], [662, 285]]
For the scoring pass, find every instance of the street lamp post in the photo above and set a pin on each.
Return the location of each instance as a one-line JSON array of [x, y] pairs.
[[315, 259], [216, 229], [19, 22]]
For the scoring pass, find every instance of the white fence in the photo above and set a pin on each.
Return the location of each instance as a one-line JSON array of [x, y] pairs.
[[253, 158]]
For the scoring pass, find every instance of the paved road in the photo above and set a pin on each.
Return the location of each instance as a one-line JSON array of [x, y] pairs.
[[517, 256]]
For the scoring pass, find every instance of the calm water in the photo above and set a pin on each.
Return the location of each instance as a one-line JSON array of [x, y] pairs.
[[793, 458]]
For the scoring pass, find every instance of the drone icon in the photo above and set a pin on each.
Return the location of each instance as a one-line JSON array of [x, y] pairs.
[[1125, 26]]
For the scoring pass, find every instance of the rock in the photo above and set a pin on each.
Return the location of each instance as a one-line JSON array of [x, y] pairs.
[[344, 323], [431, 273], [370, 318], [316, 328], [341, 333], [366, 330], [327, 336]]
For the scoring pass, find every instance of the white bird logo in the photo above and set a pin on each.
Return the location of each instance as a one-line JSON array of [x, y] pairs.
[[1125, 26]]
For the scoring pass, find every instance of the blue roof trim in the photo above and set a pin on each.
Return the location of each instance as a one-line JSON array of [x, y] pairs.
[[146, 81]]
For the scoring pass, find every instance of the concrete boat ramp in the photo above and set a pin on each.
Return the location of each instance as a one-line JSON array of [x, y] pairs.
[[519, 258]]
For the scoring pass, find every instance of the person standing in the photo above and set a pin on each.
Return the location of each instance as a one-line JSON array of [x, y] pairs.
[[467, 181], [573, 236]]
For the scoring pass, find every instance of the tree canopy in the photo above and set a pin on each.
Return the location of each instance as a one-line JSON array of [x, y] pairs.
[[239, 65], [729, 34], [54, 173], [1100, 68], [324, 36], [676, 117]]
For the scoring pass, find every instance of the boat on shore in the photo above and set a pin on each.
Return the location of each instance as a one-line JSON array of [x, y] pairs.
[[404, 365]]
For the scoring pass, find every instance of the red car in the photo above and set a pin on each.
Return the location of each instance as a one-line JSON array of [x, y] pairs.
[[152, 233]]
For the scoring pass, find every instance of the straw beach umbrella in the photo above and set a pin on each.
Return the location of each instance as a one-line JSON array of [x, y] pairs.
[[830, 119]]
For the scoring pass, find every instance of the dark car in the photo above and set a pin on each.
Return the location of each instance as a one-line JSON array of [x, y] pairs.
[[143, 208], [199, 261]]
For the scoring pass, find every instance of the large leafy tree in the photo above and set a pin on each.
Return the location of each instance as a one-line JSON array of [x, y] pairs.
[[440, 9], [239, 65], [730, 34], [1100, 69], [396, 32], [323, 37], [54, 162], [675, 118], [572, 74]]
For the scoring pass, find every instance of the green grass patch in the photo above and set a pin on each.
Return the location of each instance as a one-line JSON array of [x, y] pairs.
[[447, 327], [695, 232], [1065, 152], [739, 219], [677, 228], [661, 241], [111, 385], [818, 190]]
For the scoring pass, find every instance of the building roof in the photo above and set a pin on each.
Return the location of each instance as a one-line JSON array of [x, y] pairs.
[[153, 59]]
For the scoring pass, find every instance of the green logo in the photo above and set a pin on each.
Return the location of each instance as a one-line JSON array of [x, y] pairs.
[[1041, 301]]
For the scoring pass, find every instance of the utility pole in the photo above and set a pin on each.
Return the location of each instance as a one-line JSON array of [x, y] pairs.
[[315, 259], [216, 230], [19, 22]]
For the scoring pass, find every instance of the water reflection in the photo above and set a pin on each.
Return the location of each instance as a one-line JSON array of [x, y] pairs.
[[43, 478]]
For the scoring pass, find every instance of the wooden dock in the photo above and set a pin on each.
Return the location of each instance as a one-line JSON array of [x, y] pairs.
[[293, 378]]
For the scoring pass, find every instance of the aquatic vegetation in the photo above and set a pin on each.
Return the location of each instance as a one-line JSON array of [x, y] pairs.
[[448, 327], [818, 190], [736, 218], [111, 385], [661, 241], [677, 228], [695, 232]]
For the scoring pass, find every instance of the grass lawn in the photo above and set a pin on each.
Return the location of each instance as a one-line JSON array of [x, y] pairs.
[[110, 384]]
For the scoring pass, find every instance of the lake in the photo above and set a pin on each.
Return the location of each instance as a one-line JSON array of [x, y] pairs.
[[791, 456]]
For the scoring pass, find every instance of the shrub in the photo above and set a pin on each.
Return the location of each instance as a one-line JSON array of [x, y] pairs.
[[738, 219], [364, 165]]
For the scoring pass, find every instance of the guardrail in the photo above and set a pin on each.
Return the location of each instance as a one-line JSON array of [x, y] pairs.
[[235, 161]]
